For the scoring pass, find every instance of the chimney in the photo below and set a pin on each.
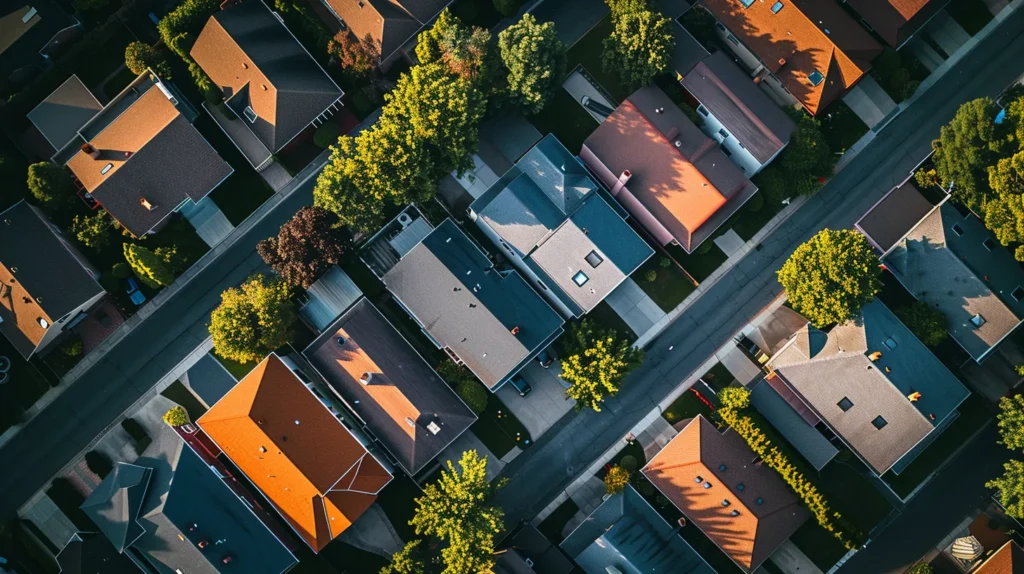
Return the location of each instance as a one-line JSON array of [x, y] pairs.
[[914, 396], [93, 152], [515, 330], [127, 154], [782, 62], [621, 182], [203, 543], [757, 80], [875, 356], [145, 203], [226, 559], [366, 378]]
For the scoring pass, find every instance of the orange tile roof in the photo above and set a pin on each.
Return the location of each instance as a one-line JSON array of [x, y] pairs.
[[802, 37], [134, 128], [1009, 559], [307, 464], [695, 458], [896, 20]]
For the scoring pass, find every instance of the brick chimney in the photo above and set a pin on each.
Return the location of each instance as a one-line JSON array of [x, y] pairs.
[[145, 203], [621, 182], [92, 151]]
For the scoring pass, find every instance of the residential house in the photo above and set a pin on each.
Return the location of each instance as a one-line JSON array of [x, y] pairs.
[[174, 512], [130, 156], [714, 479], [896, 21], [30, 33], [68, 108], [674, 180], [92, 553], [527, 551], [390, 24], [812, 49], [627, 532], [269, 80], [873, 383], [944, 256], [1009, 559], [750, 127], [46, 285], [294, 448], [553, 222], [485, 317], [389, 386]]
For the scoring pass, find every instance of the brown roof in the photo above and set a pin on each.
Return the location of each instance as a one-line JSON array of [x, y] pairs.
[[40, 277], [391, 23], [802, 37], [1009, 559], [679, 174], [13, 26], [403, 397], [308, 465], [894, 216], [701, 468], [897, 20]]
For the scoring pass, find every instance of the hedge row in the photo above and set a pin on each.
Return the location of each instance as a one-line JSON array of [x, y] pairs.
[[179, 29]]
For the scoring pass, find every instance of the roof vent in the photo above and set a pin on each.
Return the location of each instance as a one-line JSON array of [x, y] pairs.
[[226, 559], [707, 485], [203, 543], [43, 323], [433, 427], [759, 501], [875, 356], [410, 422], [341, 341], [296, 421], [725, 502], [678, 143], [263, 449], [366, 378], [699, 479], [782, 62], [145, 203], [515, 330], [721, 467], [977, 320], [741, 487], [259, 421], [92, 151], [734, 513]]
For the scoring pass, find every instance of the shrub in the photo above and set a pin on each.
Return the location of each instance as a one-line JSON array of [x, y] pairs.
[[926, 322], [665, 262], [645, 488], [51, 184], [926, 178], [73, 348], [93, 232], [705, 247], [920, 569], [629, 463], [357, 57], [755, 203], [99, 463], [176, 416], [121, 270], [651, 276], [148, 266], [139, 56], [465, 384], [1019, 369], [326, 135], [616, 479]]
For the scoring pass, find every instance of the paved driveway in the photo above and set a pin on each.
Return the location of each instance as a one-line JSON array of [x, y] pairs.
[[869, 101], [635, 307], [544, 405]]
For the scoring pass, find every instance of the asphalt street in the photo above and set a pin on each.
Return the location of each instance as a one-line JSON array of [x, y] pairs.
[[130, 369], [543, 471]]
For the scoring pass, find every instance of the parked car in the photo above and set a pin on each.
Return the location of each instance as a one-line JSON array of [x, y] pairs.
[[546, 357], [520, 384], [134, 294]]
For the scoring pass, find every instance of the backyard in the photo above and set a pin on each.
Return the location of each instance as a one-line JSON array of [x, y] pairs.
[[669, 287], [499, 429], [841, 127], [243, 191]]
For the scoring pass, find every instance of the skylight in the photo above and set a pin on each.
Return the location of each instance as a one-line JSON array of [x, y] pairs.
[[891, 343], [977, 320], [106, 168], [879, 422], [1017, 294], [594, 259], [776, 7], [845, 404], [815, 77], [250, 114], [580, 279], [958, 230]]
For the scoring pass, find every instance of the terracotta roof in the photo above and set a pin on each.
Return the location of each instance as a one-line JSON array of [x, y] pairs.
[[897, 20], [307, 464], [391, 23], [1009, 559], [679, 174], [257, 62], [40, 277], [796, 38], [744, 508]]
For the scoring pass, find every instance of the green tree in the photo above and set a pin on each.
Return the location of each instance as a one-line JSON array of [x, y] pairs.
[[616, 479], [830, 277], [455, 509], [465, 383], [338, 189], [925, 322], [1011, 422], [966, 147], [359, 58], [1011, 488], [140, 56], [176, 416], [1004, 211], [640, 45], [464, 51], [920, 569], [252, 320], [150, 268], [535, 60], [92, 231], [51, 185], [807, 158], [409, 560], [595, 363], [306, 246], [735, 398]]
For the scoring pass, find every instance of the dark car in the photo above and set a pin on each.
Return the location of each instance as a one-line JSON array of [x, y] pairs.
[[520, 384], [546, 357]]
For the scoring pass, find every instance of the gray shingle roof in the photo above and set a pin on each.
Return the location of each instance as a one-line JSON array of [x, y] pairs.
[[114, 505], [452, 289], [825, 368], [805, 438], [68, 108]]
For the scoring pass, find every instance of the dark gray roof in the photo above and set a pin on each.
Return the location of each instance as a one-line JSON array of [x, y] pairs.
[[209, 380], [404, 396], [504, 139], [559, 175], [823, 368], [114, 505], [92, 553], [527, 543], [892, 218], [64, 111], [956, 273], [303, 89], [806, 439], [687, 52], [625, 528], [463, 303], [740, 105]]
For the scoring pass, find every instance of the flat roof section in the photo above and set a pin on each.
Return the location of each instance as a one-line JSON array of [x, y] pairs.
[[63, 112]]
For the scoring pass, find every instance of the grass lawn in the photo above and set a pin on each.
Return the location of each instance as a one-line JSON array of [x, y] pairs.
[[974, 413], [699, 265], [499, 429], [243, 191], [718, 377], [180, 394], [553, 525], [688, 405], [105, 59], [670, 285], [633, 449], [606, 317], [237, 370], [23, 388], [119, 82], [841, 127], [747, 223], [397, 502], [566, 118], [972, 15]]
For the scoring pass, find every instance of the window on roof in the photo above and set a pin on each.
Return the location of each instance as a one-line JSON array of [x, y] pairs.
[[958, 230], [720, 26], [891, 343], [726, 151], [249, 114], [723, 133], [580, 279], [879, 422], [702, 110], [977, 320], [747, 3], [815, 77], [845, 404], [776, 7], [594, 259], [989, 244], [733, 39], [1017, 294], [106, 168]]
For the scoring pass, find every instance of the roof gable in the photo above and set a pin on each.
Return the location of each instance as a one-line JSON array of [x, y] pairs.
[[114, 505]]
